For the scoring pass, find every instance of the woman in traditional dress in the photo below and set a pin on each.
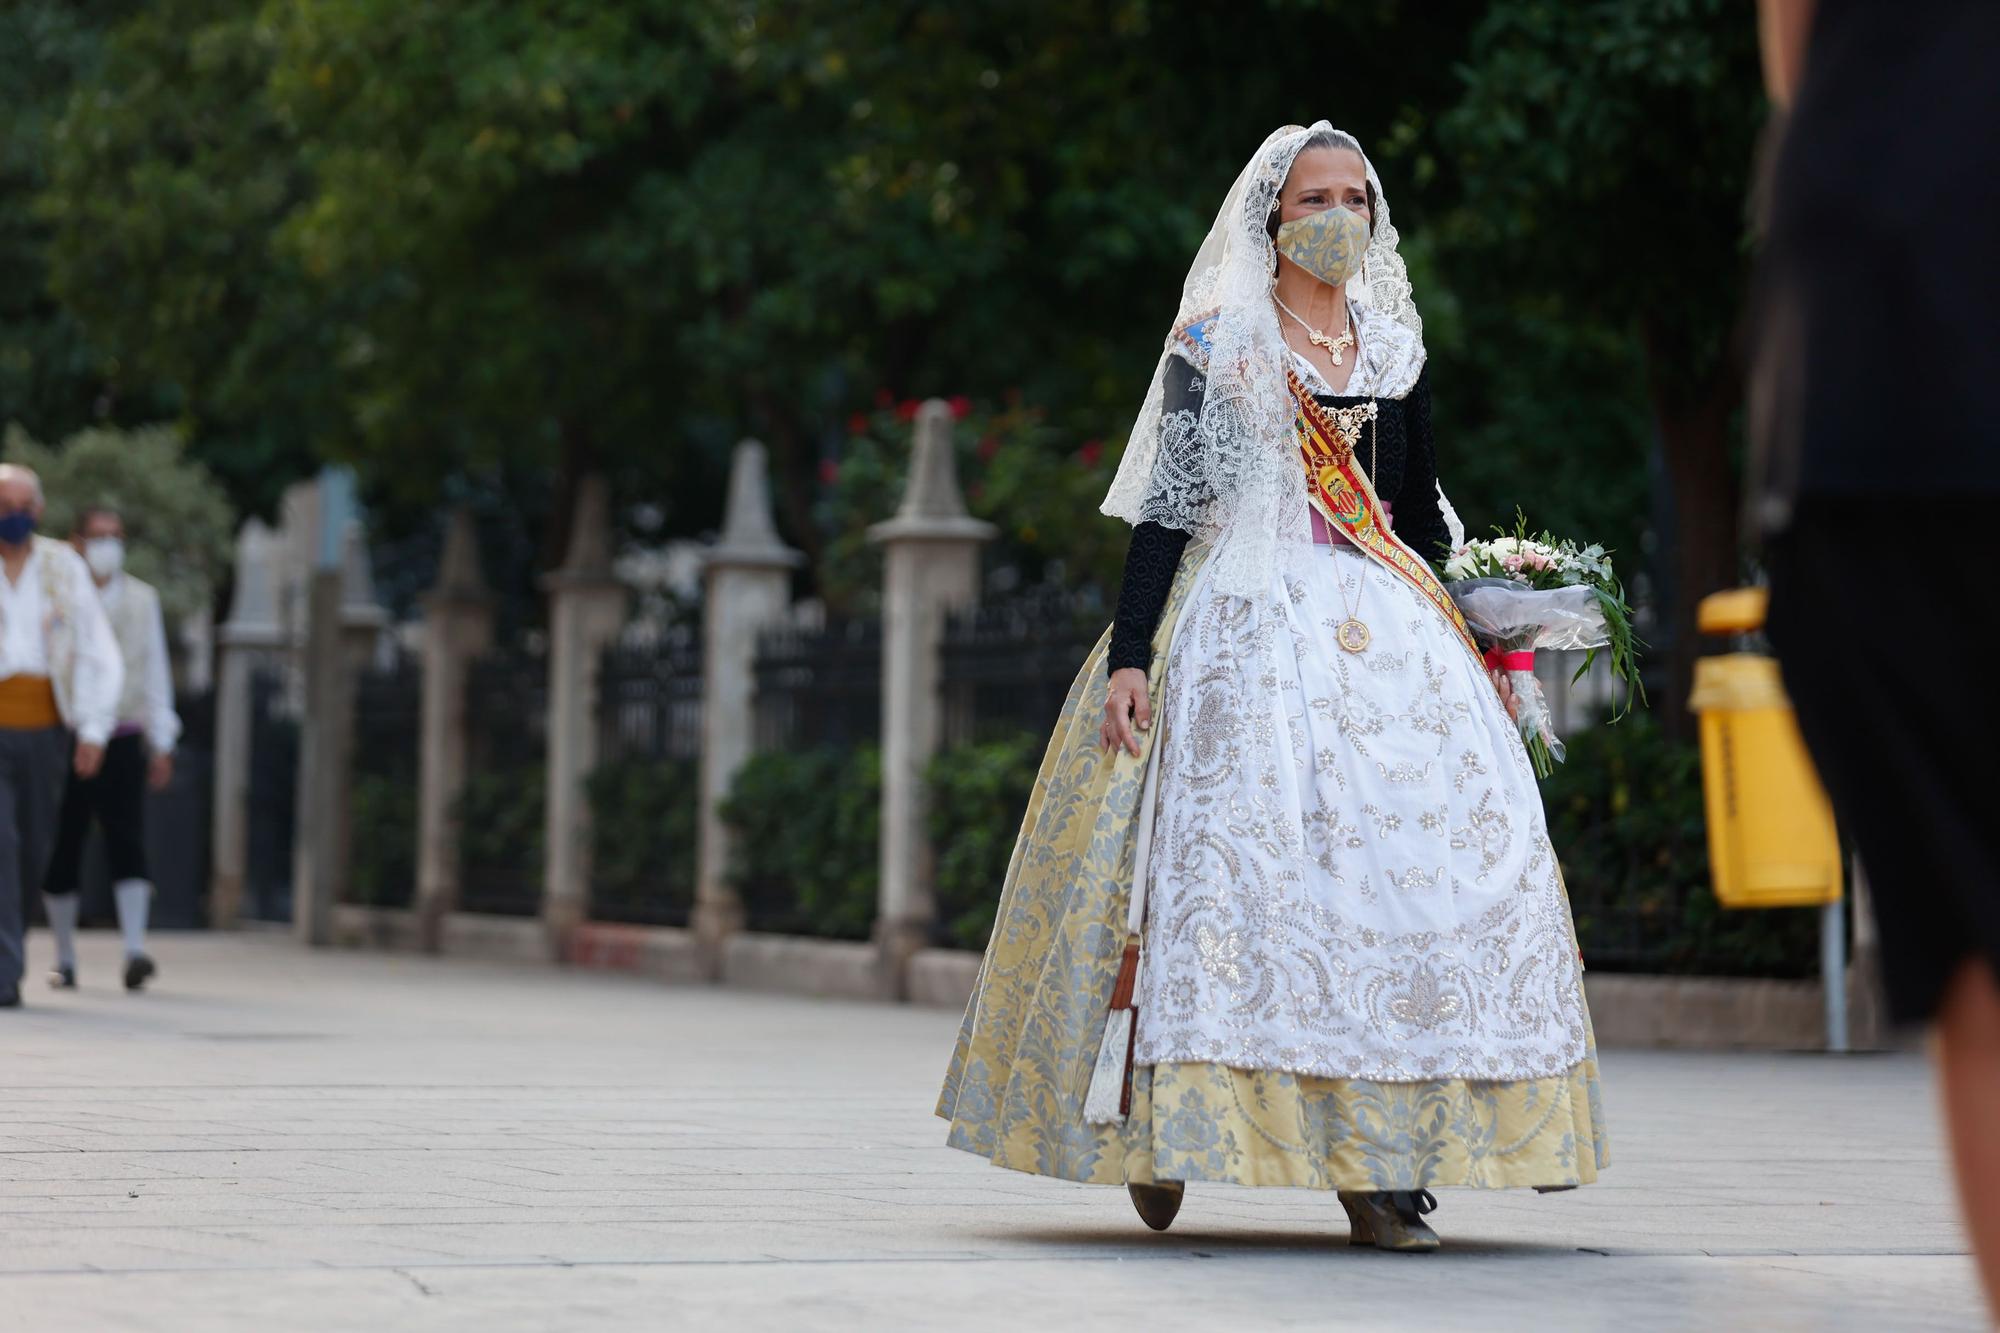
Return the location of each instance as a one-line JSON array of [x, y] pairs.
[[1283, 910]]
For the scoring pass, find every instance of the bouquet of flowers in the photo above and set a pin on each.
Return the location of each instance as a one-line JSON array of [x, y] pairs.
[[1521, 592]]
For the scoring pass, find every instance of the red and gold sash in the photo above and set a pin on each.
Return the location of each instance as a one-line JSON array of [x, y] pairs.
[[1346, 499]]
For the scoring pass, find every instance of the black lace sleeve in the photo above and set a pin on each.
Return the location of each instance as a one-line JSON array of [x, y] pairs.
[[1155, 551], [1419, 521], [1150, 562]]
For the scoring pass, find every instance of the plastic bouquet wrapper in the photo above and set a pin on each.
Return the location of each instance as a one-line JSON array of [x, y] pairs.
[[1522, 594]]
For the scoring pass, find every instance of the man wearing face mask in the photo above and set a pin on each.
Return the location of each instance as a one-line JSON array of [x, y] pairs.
[[59, 669], [140, 754]]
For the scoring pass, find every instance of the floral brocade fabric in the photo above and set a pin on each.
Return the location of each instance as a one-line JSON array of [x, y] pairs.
[[1015, 1088]]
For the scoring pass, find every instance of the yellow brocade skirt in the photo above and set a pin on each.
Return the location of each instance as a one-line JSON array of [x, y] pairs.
[[1026, 1050]]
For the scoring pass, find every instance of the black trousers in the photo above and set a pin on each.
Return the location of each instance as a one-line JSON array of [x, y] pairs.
[[31, 765], [116, 799], [1885, 655]]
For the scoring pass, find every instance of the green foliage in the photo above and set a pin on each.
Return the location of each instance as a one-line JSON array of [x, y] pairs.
[[1604, 151], [443, 235], [1037, 486], [501, 814], [977, 796], [166, 178], [383, 838], [178, 522], [53, 379], [1597, 253], [643, 817], [458, 241], [1625, 814], [807, 828]]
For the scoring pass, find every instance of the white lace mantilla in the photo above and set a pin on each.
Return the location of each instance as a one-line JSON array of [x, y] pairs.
[[1357, 881], [1226, 470]]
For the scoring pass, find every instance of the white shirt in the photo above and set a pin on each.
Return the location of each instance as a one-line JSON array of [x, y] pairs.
[[155, 714], [24, 638]]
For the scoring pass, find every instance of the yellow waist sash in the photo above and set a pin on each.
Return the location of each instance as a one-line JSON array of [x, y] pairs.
[[28, 703]]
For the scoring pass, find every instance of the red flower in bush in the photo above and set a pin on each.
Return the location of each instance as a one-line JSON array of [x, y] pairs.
[[961, 407], [1092, 451], [857, 424], [988, 447], [829, 471], [883, 398], [907, 410]]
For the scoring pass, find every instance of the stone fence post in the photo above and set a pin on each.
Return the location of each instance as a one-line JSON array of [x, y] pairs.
[[251, 636], [586, 612], [326, 752], [343, 630], [746, 581], [931, 567], [458, 627]]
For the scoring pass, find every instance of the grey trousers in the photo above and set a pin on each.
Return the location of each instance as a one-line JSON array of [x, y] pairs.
[[31, 772]]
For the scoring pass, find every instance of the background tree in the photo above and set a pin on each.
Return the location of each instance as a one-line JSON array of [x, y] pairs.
[[480, 246], [178, 521], [1603, 151], [53, 379], [168, 174]]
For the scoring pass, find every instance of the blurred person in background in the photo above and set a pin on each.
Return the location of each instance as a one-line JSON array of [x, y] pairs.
[[59, 669], [1347, 956], [1878, 429], [140, 755]]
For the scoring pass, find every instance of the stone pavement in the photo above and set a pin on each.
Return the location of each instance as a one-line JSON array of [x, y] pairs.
[[287, 1142]]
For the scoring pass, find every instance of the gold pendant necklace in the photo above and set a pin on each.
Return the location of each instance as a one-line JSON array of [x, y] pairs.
[[1334, 346], [1353, 634]]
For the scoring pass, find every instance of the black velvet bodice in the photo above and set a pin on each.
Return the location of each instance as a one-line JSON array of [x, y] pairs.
[[1404, 457]]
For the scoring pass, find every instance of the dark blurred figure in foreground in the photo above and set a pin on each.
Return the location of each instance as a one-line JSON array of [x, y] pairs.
[[1875, 411]]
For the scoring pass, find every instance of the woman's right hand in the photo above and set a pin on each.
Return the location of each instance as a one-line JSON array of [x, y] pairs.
[[1127, 711]]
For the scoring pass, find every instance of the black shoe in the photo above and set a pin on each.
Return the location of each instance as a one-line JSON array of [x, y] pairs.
[[10, 998], [137, 968], [62, 977]]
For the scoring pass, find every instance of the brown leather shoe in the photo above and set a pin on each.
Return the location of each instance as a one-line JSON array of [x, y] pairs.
[[1158, 1203], [1390, 1220]]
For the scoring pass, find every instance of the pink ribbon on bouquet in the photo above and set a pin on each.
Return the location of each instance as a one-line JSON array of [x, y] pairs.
[[1516, 660]]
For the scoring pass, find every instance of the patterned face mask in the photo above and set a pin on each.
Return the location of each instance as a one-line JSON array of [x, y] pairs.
[[1328, 244]]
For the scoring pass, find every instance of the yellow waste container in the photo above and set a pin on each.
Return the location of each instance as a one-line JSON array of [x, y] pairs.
[[1771, 836]]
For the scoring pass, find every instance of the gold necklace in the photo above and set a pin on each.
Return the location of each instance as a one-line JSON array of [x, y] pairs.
[[1353, 634], [1333, 346]]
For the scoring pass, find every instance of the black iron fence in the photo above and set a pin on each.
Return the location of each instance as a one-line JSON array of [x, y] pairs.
[[500, 815], [383, 796], [179, 819], [1007, 666], [1647, 907], [644, 795], [272, 800], [820, 688]]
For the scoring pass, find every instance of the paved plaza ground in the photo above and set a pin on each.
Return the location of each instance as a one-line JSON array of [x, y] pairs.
[[286, 1141]]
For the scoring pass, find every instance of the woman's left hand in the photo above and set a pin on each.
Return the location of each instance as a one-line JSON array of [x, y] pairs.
[[1507, 695]]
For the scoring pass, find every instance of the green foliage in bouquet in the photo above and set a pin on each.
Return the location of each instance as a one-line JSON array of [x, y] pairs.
[[807, 827], [977, 795], [1542, 560]]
